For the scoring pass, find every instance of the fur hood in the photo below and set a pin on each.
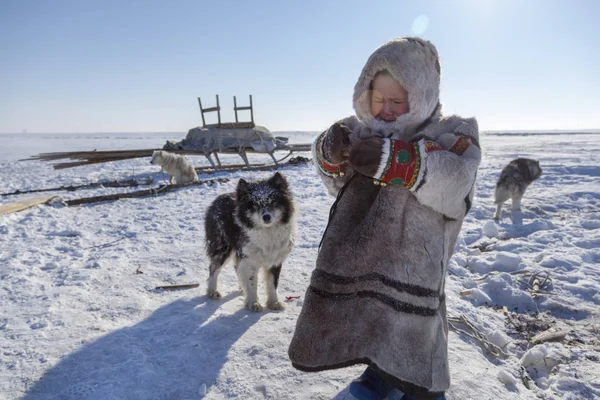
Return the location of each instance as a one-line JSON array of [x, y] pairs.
[[403, 58]]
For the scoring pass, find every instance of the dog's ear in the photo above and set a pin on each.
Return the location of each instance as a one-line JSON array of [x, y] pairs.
[[278, 181], [243, 189]]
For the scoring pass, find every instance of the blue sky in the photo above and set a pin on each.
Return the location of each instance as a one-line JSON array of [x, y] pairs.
[[138, 66]]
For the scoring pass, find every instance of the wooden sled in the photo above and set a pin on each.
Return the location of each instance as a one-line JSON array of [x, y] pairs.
[[221, 133]]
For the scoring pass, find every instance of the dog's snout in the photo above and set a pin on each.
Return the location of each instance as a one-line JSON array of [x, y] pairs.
[[267, 218]]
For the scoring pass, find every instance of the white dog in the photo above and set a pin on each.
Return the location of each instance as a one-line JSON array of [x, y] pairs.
[[177, 166]]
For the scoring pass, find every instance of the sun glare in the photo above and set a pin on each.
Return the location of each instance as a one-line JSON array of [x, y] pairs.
[[419, 25]]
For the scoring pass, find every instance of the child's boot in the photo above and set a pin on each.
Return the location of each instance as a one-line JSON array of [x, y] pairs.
[[369, 386]]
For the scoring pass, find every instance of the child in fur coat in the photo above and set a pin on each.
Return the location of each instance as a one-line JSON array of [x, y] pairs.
[[404, 177]]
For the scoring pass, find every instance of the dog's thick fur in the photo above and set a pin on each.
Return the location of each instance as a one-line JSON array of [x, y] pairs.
[[514, 180], [255, 226], [177, 166]]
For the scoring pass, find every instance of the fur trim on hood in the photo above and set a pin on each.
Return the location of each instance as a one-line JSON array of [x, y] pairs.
[[404, 59]]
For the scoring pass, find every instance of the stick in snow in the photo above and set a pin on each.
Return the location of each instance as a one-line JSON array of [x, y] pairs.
[[548, 335], [140, 193], [104, 244], [176, 287], [125, 183]]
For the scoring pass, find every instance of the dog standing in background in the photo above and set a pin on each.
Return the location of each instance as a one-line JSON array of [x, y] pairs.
[[177, 166], [513, 181], [255, 226]]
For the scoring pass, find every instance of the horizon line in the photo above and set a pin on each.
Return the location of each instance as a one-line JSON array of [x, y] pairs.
[[487, 131]]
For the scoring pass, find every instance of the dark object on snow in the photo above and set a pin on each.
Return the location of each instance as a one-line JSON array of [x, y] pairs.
[[124, 183], [140, 193], [514, 180], [178, 287]]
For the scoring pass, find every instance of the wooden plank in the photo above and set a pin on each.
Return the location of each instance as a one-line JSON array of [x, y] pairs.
[[211, 109], [140, 193], [89, 154], [251, 167], [297, 147], [95, 157], [87, 162], [235, 125], [24, 204], [71, 188], [98, 152]]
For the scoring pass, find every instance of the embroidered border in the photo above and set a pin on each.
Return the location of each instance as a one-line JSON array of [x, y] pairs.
[[432, 146], [422, 153], [460, 146], [403, 166], [386, 158]]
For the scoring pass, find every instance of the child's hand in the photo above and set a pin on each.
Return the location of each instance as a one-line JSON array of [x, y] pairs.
[[365, 156], [335, 143]]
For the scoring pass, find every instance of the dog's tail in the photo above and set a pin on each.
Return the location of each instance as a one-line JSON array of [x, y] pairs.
[[501, 193]]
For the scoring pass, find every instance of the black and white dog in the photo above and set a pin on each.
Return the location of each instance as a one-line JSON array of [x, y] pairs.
[[255, 226], [513, 181]]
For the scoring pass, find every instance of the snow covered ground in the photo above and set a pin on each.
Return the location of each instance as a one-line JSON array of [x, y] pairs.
[[80, 317]]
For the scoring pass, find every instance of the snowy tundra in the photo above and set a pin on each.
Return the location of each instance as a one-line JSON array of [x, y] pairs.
[[80, 317]]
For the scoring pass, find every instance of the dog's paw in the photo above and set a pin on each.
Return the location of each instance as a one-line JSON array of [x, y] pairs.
[[255, 307], [276, 305], [214, 295]]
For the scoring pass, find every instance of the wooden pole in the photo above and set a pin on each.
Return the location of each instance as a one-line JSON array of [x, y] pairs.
[[201, 112], [118, 184], [217, 158], [218, 110], [235, 108], [251, 110], [139, 193]]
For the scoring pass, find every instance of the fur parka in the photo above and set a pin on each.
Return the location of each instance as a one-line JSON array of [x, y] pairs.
[[376, 295]]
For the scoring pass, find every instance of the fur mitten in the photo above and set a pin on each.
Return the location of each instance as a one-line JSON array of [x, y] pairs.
[[335, 143], [365, 156]]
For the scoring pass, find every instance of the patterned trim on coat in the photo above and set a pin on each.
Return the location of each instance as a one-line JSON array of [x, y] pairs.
[[400, 163], [460, 146]]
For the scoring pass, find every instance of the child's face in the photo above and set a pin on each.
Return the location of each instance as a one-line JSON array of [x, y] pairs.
[[389, 99]]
